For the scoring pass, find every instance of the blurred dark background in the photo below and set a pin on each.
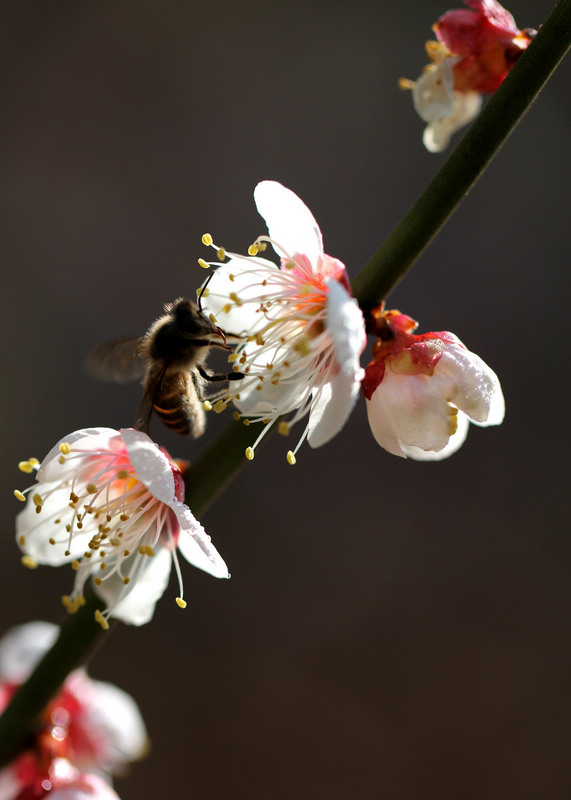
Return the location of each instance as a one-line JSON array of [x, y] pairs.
[[391, 629]]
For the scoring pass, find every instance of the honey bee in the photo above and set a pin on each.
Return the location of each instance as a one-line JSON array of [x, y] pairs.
[[170, 358]]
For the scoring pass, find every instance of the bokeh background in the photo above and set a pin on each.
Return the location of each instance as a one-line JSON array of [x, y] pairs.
[[391, 629]]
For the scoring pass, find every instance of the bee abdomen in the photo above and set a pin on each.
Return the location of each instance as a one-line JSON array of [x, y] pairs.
[[178, 405]]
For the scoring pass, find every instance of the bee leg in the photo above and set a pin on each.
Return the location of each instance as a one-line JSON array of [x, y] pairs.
[[210, 376]]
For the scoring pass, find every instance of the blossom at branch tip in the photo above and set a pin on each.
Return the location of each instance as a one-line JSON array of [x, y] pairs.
[[476, 49], [89, 731], [111, 504], [304, 332], [423, 390]]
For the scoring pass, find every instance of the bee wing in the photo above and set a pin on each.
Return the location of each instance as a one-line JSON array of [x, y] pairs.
[[118, 360], [152, 388]]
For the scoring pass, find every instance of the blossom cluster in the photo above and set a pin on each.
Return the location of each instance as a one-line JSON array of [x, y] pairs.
[[475, 50], [88, 732]]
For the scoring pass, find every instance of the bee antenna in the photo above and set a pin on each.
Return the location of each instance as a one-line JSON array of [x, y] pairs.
[[202, 290]]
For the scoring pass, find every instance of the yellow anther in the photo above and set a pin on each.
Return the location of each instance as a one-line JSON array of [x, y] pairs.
[[103, 566], [73, 497], [126, 580], [235, 299], [34, 462], [202, 292], [75, 564], [146, 550], [212, 319], [207, 239], [290, 457], [289, 265], [97, 581], [91, 488], [202, 263], [236, 416], [246, 421], [302, 346], [180, 602], [231, 277], [269, 366], [80, 525], [71, 604], [68, 528], [253, 250], [29, 562], [19, 495], [61, 459], [126, 553], [283, 428], [101, 620], [25, 466], [227, 308], [262, 246], [122, 474], [67, 553], [220, 406], [221, 253], [236, 368], [51, 541], [124, 517], [22, 540], [207, 405], [65, 448], [243, 358], [37, 498], [259, 339], [250, 453], [87, 554], [232, 358]]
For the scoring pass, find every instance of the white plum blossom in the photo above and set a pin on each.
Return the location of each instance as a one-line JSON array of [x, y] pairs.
[[111, 504], [304, 332], [423, 390], [88, 731]]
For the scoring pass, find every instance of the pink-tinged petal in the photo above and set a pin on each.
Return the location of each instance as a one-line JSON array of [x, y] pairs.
[[114, 718], [82, 787], [195, 544], [22, 647], [455, 443], [330, 409], [138, 605], [436, 136], [33, 531], [86, 438], [151, 465], [290, 222], [346, 326], [10, 786]]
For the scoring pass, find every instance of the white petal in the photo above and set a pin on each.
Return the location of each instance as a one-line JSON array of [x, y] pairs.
[[88, 439], [84, 787], [10, 786], [381, 427], [433, 95], [346, 326], [37, 529], [195, 545], [138, 606], [244, 277], [455, 443], [151, 465], [334, 403], [290, 222], [115, 719], [468, 382], [22, 647], [416, 410], [437, 135]]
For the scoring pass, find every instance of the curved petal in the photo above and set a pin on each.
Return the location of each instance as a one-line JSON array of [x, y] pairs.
[[290, 222], [346, 326], [82, 787], [22, 647], [33, 531], [381, 428], [455, 443], [114, 715], [468, 382], [88, 438], [333, 404], [151, 465], [138, 605], [195, 544], [433, 94], [436, 136]]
